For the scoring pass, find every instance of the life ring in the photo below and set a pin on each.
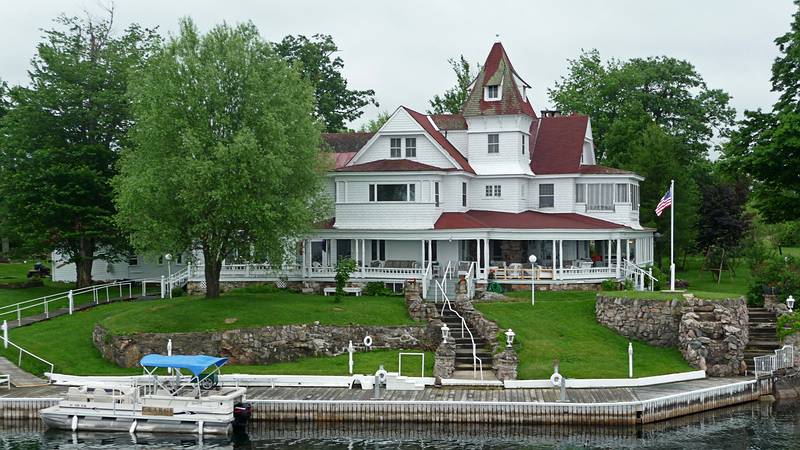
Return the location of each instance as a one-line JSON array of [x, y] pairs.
[[368, 341], [556, 379]]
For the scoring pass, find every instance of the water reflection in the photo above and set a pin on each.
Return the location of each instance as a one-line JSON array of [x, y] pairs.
[[754, 425]]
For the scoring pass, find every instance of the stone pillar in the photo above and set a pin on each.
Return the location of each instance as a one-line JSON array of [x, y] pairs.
[[773, 305], [505, 364], [445, 363]]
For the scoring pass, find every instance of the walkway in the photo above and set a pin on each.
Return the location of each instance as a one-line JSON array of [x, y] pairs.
[[29, 320], [612, 406], [19, 378]]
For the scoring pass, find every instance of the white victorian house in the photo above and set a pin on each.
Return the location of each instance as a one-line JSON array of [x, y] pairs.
[[475, 193]]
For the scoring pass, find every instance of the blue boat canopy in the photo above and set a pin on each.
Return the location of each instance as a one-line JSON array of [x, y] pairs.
[[194, 363]]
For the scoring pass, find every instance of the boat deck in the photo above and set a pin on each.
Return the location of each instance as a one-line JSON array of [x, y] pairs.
[[461, 404]]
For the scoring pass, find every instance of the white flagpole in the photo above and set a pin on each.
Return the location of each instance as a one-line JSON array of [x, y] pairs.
[[672, 237]]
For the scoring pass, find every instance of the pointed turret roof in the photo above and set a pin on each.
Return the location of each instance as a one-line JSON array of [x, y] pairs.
[[497, 70]]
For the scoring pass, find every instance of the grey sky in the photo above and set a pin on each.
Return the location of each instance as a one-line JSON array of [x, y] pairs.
[[400, 48]]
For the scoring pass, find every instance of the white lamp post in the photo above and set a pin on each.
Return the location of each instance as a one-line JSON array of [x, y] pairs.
[[168, 257], [790, 303], [350, 351], [445, 333], [510, 337], [532, 259]]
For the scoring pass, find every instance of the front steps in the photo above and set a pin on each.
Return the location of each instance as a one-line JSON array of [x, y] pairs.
[[464, 361], [763, 336]]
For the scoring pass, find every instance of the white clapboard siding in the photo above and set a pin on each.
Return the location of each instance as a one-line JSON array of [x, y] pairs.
[[427, 152]]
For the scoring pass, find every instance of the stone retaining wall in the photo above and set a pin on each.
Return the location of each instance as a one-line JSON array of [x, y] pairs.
[[264, 345], [711, 334]]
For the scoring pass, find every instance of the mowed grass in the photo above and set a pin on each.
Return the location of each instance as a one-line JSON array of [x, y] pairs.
[[706, 281], [562, 326], [17, 272], [67, 341], [253, 308]]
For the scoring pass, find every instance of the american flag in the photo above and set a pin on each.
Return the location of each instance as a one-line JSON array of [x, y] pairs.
[[666, 201]]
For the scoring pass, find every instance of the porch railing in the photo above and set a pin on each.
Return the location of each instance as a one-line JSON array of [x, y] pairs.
[[639, 276]]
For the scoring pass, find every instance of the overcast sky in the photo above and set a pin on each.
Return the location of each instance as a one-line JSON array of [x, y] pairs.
[[400, 48]]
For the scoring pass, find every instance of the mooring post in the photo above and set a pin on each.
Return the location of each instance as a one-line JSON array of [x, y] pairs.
[[350, 350], [563, 389]]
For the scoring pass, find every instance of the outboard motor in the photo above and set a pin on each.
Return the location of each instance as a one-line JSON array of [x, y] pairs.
[[241, 414]]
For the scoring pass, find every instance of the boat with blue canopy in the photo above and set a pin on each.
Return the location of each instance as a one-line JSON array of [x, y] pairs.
[[182, 394]]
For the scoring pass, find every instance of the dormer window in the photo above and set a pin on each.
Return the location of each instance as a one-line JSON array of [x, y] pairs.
[[493, 92], [411, 147]]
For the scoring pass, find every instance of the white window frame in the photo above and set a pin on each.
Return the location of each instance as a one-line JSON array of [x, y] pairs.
[[436, 193], [411, 150], [580, 193], [489, 89], [493, 190], [544, 195], [411, 193], [621, 193], [635, 197], [464, 195], [493, 148], [395, 148], [498, 190], [600, 197]]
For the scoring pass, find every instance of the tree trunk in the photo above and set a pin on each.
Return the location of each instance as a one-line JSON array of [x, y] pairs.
[[212, 270], [83, 263]]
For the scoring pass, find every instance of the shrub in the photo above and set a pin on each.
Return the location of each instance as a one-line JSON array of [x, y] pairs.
[[628, 284], [608, 285], [777, 275], [377, 289], [788, 324], [660, 276], [344, 269], [787, 234], [177, 292]]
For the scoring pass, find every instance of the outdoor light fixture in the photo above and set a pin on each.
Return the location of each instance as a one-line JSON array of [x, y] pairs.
[[790, 303], [445, 333], [532, 259], [168, 258], [510, 337]]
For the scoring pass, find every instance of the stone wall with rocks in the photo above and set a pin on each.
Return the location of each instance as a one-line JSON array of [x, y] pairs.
[[653, 321], [264, 345], [711, 334]]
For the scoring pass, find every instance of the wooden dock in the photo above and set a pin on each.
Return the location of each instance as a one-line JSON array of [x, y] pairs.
[[610, 406]]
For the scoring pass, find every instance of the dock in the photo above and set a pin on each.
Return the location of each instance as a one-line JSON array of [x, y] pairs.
[[463, 404]]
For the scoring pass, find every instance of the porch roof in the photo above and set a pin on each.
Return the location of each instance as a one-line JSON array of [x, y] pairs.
[[391, 165], [531, 220]]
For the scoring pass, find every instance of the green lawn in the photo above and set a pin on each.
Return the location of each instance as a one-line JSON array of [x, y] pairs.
[[707, 281], [562, 325], [251, 308], [67, 341]]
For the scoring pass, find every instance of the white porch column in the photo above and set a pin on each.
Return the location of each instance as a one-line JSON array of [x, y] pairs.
[[609, 253], [627, 250], [554, 259], [478, 267], [486, 257], [364, 257], [560, 254], [422, 253], [619, 256], [430, 251]]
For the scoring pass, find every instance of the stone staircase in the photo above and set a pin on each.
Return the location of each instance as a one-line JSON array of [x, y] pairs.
[[449, 288], [464, 360], [763, 335]]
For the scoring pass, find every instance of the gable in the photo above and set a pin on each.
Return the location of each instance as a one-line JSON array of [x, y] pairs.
[[432, 148]]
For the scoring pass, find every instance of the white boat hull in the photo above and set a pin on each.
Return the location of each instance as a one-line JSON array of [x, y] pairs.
[[104, 420]]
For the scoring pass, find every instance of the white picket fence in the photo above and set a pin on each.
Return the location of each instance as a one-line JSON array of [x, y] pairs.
[[768, 364]]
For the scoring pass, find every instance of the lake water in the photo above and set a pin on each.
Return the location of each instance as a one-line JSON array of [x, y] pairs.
[[751, 426]]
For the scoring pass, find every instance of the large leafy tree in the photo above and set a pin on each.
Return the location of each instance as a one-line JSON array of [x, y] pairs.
[[724, 219], [453, 99], [623, 97], [336, 105], [224, 153], [652, 159], [60, 137], [375, 124], [766, 146]]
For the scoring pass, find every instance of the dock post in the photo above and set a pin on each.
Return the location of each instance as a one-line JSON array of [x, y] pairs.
[[5, 334], [630, 359]]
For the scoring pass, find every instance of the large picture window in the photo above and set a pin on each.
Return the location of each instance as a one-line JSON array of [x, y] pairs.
[[392, 192], [546, 195]]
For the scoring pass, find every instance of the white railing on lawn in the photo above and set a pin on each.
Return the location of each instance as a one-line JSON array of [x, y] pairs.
[[7, 342], [98, 292], [477, 364], [768, 364]]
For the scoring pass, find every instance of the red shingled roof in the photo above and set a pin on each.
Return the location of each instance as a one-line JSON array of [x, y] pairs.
[[341, 159], [449, 121], [603, 170], [559, 144], [346, 142], [422, 119], [528, 220], [389, 165], [511, 101]]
